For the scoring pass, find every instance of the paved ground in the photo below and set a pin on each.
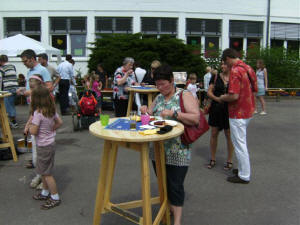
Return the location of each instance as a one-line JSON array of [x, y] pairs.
[[271, 198]]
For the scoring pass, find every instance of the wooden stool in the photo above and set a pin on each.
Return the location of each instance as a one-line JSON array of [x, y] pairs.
[[7, 139], [137, 142]]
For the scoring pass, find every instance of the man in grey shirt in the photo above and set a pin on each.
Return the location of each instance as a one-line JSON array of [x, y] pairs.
[[43, 60]]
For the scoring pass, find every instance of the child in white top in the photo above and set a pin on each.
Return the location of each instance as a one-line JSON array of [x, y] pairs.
[[192, 87]]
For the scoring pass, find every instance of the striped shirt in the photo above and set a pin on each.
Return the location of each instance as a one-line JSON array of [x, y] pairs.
[[9, 78]]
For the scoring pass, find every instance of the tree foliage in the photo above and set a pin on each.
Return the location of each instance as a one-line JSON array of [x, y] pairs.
[[110, 50]]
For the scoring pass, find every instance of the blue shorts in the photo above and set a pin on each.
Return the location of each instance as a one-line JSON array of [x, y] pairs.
[[261, 92]]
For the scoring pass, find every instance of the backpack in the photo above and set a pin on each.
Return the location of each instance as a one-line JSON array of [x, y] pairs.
[[88, 104]]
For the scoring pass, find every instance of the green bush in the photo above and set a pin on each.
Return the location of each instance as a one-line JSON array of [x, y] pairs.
[[110, 50], [283, 66]]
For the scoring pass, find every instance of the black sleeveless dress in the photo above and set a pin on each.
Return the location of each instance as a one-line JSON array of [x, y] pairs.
[[218, 113]]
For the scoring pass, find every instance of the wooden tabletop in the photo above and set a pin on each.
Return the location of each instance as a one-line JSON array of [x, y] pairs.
[[138, 90], [132, 136], [4, 94]]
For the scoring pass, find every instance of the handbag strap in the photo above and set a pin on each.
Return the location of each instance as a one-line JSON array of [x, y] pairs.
[[181, 102]]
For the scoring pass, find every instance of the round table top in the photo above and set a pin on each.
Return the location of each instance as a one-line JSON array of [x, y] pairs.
[[138, 90], [132, 136], [4, 94]]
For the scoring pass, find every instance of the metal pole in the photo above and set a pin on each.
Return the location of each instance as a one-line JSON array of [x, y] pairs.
[[268, 23]]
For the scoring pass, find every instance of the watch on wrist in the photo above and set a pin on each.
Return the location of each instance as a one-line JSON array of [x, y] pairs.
[[175, 114]]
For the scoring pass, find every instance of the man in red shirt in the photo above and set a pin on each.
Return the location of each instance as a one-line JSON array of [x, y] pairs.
[[241, 106]]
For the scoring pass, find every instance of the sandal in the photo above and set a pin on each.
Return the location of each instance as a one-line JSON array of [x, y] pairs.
[[40, 197], [51, 203], [228, 166], [29, 165], [211, 164]]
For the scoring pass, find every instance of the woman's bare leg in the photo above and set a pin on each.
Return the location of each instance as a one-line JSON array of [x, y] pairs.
[[177, 212]]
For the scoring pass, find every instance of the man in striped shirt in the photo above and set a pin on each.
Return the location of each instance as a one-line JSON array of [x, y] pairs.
[[9, 83]]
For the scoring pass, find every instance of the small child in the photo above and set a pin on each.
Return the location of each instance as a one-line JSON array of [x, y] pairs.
[[192, 86], [43, 125], [97, 85]]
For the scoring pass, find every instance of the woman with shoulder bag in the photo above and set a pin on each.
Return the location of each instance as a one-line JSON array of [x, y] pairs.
[[178, 155], [218, 116]]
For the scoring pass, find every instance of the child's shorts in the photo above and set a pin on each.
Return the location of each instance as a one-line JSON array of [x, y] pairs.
[[45, 159]]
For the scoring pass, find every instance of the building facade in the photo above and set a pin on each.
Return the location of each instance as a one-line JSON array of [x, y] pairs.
[[72, 25]]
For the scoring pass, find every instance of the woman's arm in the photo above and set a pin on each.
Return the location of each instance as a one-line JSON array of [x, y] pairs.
[[122, 80], [144, 109], [26, 129], [266, 78], [191, 106], [210, 94]]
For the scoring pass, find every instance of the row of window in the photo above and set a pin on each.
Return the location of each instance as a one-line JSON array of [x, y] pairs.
[[73, 30]]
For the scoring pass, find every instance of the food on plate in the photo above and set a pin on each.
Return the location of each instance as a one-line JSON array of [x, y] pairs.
[[159, 123]]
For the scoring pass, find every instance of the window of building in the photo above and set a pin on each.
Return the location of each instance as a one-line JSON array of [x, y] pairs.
[[120, 25], [159, 26], [237, 44], [293, 45], [30, 27], [285, 31], [245, 28], [253, 43], [276, 43], [211, 46], [73, 29]]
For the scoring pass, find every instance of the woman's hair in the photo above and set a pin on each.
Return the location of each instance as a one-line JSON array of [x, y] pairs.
[[261, 62], [163, 72], [193, 76], [35, 80], [42, 101], [128, 60], [155, 64], [214, 72]]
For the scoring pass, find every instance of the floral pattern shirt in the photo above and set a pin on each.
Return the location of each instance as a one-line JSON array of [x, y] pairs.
[[239, 83], [119, 91], [176, 153]]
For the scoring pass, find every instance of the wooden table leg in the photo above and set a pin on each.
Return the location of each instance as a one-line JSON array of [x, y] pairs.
[[130, 101], [150, 99], [99, 204], [6, 132], [146, 193], [162, 178], [110, 172]]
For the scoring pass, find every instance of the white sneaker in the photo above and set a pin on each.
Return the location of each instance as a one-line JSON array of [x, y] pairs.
[[255, 111], [263, 113], [36, 181]]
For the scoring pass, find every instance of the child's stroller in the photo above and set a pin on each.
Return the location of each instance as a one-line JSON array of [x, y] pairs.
[[87, 111]]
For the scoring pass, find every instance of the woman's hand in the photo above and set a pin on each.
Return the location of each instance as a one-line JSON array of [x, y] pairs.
[[26, 130], [129, 72], [167, 113], [144, 109]]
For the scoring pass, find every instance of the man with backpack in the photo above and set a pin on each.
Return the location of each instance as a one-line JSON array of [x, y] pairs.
[[241, 106]]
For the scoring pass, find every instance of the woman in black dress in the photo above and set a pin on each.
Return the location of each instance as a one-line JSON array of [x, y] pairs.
[[218, 115]]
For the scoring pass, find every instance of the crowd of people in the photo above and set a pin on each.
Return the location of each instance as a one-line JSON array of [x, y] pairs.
[[229, 98]]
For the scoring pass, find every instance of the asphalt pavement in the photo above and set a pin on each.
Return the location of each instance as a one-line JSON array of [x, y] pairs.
[[271, 198]]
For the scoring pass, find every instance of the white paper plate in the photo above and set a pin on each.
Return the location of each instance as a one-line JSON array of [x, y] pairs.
[[167, 122], [135, 86]]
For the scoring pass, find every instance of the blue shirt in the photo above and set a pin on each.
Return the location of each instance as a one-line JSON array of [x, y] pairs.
[[38, 70], [65, 70]]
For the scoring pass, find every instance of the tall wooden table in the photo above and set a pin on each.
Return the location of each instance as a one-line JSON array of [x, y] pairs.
[[137, 142], [7, 139], [149, 92]]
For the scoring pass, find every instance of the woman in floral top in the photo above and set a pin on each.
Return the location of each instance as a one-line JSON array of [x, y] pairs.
[[123, 78], [178, 155]]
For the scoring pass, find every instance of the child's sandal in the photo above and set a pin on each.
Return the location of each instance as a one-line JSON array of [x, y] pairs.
[[40, 197], [51, 203], [228, 166], [211, 164]]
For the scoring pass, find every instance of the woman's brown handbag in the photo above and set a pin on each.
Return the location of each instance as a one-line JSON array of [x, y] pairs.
[[192, 133]]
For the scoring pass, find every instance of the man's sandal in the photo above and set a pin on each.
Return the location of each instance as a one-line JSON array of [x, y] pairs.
[[51, 203], [211, 164], [228, 166]]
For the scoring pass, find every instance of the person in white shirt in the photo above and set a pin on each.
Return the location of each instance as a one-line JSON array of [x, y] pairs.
[[206, 80], [192, 87], [139, 76], [66, 72]]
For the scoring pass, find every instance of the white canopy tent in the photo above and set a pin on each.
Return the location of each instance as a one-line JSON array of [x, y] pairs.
[[15, 45]]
